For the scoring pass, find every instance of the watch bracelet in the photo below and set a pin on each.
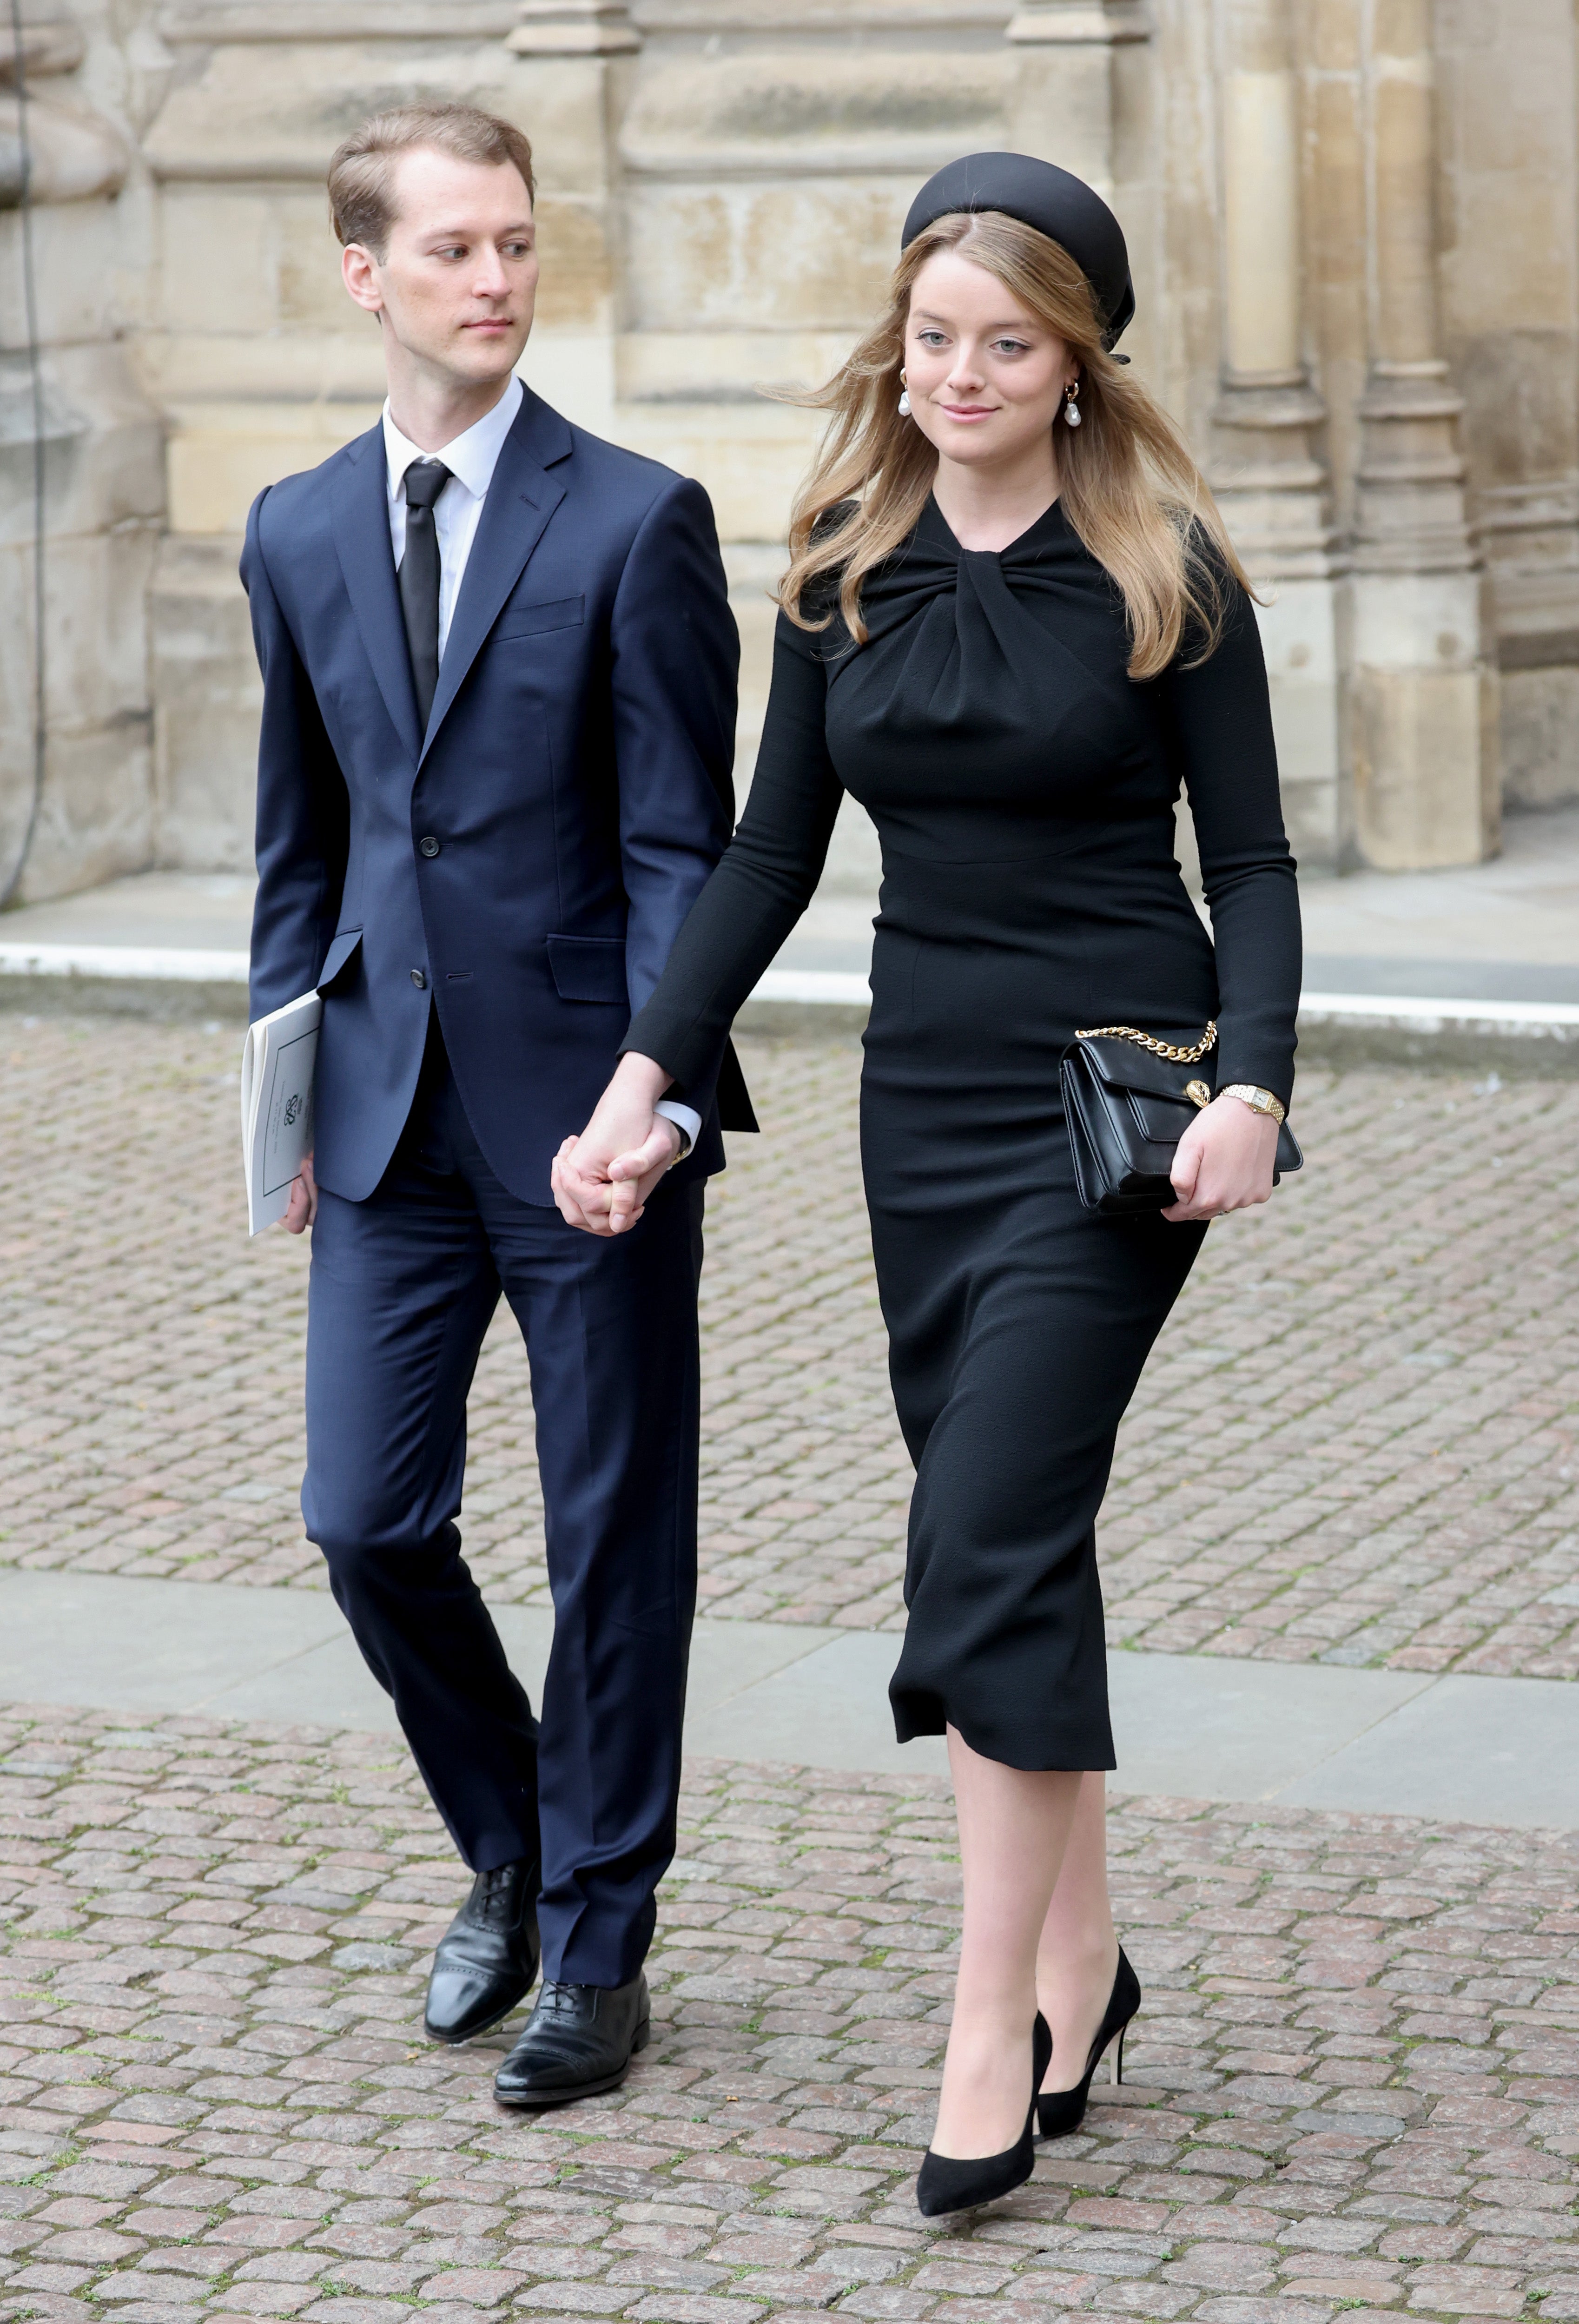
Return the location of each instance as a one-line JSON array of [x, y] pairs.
[[1270, 1105]]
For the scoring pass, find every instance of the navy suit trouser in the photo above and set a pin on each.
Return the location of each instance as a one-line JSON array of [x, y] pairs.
[[402, 1289]]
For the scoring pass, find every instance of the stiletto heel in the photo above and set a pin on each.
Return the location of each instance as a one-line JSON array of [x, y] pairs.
[[949, 2183], [1058, 2112]]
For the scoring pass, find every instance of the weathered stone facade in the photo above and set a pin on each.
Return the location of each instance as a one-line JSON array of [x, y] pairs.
[[1355, 231]]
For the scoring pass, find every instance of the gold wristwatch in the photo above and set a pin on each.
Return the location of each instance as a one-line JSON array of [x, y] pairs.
[[1259, 1100]]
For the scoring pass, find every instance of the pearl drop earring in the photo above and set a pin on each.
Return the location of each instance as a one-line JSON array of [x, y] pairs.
[[904, 398], [1071, 408]]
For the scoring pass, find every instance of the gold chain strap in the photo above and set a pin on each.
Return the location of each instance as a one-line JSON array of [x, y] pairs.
[[1190, 1057]]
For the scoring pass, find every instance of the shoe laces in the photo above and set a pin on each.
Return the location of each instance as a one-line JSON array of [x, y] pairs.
[[494, 1893], [553, 1995]]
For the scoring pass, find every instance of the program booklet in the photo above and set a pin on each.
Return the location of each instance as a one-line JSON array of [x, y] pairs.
[[276, 1105]]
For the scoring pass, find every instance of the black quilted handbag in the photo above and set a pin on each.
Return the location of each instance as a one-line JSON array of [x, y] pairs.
[[1129, 1097]]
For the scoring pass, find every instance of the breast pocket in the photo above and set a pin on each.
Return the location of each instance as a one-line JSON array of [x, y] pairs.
[[532, 621]]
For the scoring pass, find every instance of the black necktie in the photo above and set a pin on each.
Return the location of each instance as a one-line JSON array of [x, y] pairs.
[[425, 480]]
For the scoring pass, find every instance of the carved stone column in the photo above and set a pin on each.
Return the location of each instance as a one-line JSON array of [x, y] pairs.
[[1272, 485], [574, 28], [101, 472], [1424, 694], [577, 58], [1066, 101]]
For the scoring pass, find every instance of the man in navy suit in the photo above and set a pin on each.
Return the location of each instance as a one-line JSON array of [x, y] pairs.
[[499, 691]]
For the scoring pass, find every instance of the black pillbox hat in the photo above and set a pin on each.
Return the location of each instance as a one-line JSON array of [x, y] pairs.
[[1055, 202]]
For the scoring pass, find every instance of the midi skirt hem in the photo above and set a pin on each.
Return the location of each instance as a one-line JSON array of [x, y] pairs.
[[1082, 1746]]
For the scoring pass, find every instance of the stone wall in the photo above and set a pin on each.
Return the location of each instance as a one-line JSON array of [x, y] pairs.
[[1353, 224], [103, 483]]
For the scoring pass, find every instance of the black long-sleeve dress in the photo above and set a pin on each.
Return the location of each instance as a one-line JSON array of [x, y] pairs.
[[1022, 786]]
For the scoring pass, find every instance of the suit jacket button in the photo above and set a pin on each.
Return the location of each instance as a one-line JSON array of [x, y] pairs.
[[418, 978], [428, 846]]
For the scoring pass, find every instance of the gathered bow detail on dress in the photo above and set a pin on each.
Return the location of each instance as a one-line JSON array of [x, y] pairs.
[[964, 648]]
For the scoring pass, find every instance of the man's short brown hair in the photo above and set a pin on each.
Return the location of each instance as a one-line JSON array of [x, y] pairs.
[[361, 174]]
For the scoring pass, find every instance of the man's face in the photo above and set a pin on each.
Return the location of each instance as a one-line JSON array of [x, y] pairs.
[[457, 284]]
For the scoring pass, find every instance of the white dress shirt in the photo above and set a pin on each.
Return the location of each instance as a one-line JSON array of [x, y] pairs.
[[471, 458]]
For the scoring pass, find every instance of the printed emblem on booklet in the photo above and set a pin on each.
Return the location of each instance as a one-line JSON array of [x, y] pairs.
[[276, 1105]]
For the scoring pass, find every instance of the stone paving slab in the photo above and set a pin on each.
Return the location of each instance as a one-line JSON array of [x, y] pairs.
[[1353, 2089], [1521, 905], [1356, 1443], [1520, 909], [1490, 1750], [111, 1641]]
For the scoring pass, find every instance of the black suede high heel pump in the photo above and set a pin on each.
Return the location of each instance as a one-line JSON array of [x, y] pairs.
[[1058, 2112], [949, 2183]]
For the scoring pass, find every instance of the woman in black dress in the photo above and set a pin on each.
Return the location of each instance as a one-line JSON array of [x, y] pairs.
[[1012, 627]]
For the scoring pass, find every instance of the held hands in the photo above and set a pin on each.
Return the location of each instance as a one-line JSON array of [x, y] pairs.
[[1223, 1161], [301, 1205], [602, 1178]]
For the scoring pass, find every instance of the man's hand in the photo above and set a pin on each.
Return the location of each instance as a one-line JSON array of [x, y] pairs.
[[301, 1207], [1223, 1161], [602, 1179]]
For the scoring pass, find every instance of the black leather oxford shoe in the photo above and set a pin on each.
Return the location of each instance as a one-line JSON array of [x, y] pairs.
[[487, 1959], [579, 2040]]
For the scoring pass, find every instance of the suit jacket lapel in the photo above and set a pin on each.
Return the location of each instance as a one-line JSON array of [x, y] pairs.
[[360, 514], [521, 497]]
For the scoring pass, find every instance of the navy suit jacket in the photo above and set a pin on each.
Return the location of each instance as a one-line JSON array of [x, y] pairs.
[[526, 864]]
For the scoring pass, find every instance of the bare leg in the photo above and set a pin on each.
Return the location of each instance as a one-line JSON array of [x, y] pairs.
[[1013, 1826], [1078, 1955]]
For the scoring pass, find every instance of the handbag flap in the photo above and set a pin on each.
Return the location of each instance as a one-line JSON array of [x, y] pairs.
[[1124, 1064], [1163, 1121]]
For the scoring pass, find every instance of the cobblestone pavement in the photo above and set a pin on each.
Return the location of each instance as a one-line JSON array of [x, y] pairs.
[[1355, 2084], [1356, 1442]]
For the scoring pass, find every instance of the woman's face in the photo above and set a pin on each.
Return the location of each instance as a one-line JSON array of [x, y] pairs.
[[985, 378]]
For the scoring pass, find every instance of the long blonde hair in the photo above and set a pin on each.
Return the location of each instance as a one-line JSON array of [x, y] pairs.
[[1130, 489]]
